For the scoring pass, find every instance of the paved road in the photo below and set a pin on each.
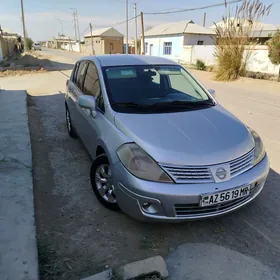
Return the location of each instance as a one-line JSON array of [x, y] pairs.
[[74, 229]]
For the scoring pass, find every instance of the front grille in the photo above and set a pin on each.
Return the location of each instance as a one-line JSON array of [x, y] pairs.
[[242, 164], [189, 174], [194, 209], [202, 174]]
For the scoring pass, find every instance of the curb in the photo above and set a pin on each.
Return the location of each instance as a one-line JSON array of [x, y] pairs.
[[18, 243], [155, 265]]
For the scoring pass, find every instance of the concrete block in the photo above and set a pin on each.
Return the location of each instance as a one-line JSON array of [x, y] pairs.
[[105, 275], [142, 268]]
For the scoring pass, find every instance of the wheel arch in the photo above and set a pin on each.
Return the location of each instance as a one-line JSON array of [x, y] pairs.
[[101, 148]]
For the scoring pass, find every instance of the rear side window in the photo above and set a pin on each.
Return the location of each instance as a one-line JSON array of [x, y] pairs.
[[74, 73], [81, 75]]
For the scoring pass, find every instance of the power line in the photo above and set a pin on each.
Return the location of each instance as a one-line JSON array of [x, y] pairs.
[[121, 22], [177, 11], [85, 31], [194, 9]]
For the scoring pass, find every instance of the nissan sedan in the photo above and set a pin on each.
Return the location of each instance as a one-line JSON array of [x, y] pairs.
[[162, 147]]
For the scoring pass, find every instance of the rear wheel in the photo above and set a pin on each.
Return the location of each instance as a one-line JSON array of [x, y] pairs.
[[102, 182], [70, 127]]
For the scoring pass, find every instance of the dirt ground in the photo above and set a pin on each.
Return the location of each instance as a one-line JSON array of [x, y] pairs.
[[32, 62], [78, 237]]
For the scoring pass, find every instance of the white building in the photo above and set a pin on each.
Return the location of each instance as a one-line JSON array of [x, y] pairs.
[[169, 39], [259, 32]]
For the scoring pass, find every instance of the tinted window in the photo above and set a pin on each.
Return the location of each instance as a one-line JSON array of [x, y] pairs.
[[74, 73], [153, 87], [81, 74], [91, 85]]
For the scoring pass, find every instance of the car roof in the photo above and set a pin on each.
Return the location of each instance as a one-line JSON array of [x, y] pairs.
[[124, 59]]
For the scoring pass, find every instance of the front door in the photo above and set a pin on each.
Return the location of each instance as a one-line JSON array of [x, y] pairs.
[[92, 125]]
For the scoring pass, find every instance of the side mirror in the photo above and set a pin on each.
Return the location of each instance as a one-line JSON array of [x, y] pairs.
[[212, 92], [88, 102]]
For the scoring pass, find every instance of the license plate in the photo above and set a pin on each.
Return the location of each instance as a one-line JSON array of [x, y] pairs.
[[225, 196]]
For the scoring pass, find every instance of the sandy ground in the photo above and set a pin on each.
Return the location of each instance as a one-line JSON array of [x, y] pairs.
[[78, 237]]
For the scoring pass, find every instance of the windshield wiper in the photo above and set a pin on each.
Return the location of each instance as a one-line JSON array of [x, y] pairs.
[[131, 105], [185, 104]]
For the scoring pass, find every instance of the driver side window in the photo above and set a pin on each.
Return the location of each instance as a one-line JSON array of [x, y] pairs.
[[92, 85]]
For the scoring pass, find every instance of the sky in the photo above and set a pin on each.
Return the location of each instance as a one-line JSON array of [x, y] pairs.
[[42, 17]]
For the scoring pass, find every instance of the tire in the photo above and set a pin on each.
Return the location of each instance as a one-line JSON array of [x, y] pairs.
[[70, 128], [105, 195]]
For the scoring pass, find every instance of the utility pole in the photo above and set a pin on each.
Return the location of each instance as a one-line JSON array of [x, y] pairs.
[[75, 26], [126, 49], [62, 32], [23, 26], [143, 34], [78, 27], [90, 27], [135, 15], [204, 19]]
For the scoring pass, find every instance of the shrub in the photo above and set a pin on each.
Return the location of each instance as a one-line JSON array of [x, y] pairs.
[[259, 75], [29, 43], [200, 65], [274, 48], [233, 35]]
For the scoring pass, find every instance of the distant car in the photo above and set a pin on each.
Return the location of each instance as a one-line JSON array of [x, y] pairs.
[[37, 47], [162, 147]]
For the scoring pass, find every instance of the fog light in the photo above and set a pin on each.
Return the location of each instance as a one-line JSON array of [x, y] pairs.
[[149, 208]]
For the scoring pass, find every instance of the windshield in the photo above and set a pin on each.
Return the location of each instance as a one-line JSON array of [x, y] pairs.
[[154, 88]]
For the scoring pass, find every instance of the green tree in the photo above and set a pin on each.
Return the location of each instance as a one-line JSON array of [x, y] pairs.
[[274, 50], [29, 44]]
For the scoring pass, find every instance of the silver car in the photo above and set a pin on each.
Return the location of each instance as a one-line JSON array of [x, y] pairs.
[[163, 148], [37, 46]]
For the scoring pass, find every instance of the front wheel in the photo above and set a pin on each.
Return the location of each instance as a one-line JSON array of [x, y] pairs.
[[102, 182]]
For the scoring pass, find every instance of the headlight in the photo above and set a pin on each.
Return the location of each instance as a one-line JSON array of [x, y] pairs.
[[259, 148], [140, 164]]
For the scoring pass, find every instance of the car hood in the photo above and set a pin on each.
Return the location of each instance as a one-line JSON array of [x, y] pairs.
[[199, 137]]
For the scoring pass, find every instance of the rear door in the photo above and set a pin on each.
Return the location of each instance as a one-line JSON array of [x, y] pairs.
[[70, 96], [76, 92]]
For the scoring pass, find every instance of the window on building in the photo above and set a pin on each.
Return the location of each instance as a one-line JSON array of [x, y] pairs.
[[167, 48], [146, 47], [200, 42]]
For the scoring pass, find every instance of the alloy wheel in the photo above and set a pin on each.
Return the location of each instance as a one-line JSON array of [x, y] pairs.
[[104, 183]]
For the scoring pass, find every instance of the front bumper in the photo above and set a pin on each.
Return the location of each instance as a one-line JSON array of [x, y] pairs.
[[166, 198]]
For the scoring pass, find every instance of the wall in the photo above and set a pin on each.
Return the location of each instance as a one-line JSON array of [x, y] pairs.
[[258, 60], [97, 45], [74, 47], [112, 45], [102, 45], [7, 47], [192, 39], [157, 41], [192, 53]]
